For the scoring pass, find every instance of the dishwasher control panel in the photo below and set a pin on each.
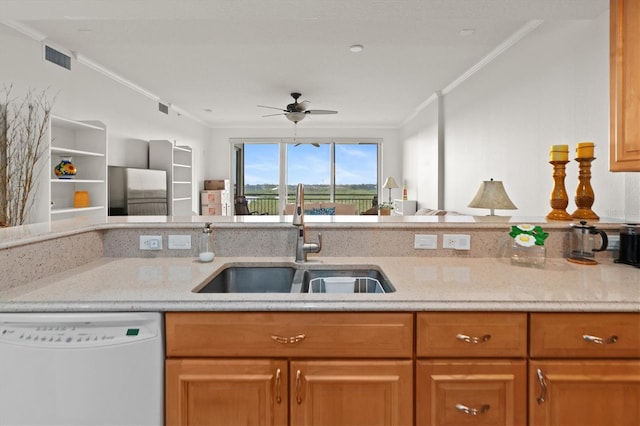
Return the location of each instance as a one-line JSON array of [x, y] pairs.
[[60, 335]]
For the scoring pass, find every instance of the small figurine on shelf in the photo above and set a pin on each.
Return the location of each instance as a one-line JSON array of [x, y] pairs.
[[527, 247], [65, 169]]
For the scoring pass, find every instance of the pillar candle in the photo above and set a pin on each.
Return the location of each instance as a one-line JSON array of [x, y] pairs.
[[559, 153], [585, 150]]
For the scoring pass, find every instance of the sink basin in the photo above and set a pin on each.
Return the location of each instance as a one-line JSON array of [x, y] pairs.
[[297, 279], [251, 279], [352, 280]]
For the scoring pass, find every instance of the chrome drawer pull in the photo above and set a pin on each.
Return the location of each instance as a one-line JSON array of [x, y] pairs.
[[474, 340], [543, 387], [289, 340], [600, 340], [473, 411]]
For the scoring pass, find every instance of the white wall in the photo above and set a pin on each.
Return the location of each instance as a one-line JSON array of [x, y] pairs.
[[551, 88], [84, 94]]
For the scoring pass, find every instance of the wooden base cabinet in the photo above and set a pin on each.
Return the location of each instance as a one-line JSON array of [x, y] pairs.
[[584, 369], [351, 393], [469, 392], [584, 393], [289, 369], [226, 392]]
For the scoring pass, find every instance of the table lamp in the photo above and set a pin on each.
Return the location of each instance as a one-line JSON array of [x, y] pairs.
[[491, 195], [389, 184]]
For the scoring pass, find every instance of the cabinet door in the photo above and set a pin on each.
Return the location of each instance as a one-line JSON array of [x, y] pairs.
[[625, 103], [226, 392], [471, 392], [584, 393], [351, 393]]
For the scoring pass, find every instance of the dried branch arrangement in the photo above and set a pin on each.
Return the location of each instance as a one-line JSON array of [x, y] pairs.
[[24, 123]]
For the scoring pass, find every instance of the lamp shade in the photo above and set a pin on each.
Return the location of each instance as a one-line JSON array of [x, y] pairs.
[[491, 195], [390, 183]]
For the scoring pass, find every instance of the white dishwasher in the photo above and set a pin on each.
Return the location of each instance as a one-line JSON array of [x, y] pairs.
[[81, 369]]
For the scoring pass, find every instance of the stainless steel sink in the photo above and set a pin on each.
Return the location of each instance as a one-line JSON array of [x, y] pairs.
[[297, 279], [351, 280], [251, 279]]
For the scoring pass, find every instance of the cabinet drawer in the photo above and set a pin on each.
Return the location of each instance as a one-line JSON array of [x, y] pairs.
[[345, 335], [585, 335], [448, 334], [471, 392]]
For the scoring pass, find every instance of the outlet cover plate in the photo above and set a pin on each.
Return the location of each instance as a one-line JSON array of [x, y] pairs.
[[150, 242]]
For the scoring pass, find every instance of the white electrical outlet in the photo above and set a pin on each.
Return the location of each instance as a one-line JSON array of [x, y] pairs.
[[179, 242], [150, 242], [456, 241], [428, 242], [614, 242], [449, 241]]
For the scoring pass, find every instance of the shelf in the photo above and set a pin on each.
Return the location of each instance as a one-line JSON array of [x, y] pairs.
[[74, 152], [182, 199], [182, 148], [67, 181], [182, 182], [187, 166], [73, 124], [74, 210]]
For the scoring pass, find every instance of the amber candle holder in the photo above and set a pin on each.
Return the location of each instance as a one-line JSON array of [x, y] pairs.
[[559, 199], [584, 192]]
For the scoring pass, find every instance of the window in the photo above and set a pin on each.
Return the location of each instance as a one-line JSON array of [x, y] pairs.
[[267, 172]]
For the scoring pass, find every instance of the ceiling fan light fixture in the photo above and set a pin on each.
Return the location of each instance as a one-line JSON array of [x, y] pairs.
[[356, 48], [295, 116]]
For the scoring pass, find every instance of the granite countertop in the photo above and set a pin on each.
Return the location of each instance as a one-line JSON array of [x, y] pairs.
[[422, 284]]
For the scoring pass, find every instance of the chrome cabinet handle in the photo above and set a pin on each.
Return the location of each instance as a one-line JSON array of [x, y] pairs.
[[299, 387], [542, 398], [599, 340], [473, 340], [278, 386], [473, 411], [288, 340]]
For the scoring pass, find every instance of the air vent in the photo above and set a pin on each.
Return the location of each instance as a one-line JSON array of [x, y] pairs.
[[57, 57], [163, 108]]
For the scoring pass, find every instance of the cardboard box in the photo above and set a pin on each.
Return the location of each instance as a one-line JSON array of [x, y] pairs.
[[214, 197], [212, 210], [216, 184]]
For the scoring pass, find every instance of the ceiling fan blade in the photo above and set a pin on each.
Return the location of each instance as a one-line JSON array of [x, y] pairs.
[[265, 106], [271, 115], [320, 111]]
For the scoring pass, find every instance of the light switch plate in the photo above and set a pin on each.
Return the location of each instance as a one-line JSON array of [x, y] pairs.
[[428, 242], [179, 242]]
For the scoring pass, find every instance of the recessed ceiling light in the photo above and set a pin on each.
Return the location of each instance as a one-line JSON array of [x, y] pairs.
[[356, 48], [465, 32]]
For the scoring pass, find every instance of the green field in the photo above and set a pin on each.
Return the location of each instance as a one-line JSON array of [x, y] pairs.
[[263, 198]]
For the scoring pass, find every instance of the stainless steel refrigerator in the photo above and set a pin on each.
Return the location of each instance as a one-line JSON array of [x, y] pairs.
[[137, 192]]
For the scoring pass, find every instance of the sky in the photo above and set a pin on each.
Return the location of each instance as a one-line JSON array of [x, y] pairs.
[[307, 164]]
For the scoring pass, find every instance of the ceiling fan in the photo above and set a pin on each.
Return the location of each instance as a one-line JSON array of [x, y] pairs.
[[297, 111]]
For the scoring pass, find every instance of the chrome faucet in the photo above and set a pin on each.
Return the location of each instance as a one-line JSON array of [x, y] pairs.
[[302, 248]]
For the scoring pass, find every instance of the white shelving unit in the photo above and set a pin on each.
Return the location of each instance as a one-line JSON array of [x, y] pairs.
[[177, 162], [86, 143], [404, 207]]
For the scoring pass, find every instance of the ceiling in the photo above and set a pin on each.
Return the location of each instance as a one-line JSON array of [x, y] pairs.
[[216, 60]]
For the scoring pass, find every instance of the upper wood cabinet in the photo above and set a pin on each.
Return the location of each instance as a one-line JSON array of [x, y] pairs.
[[624, 153]]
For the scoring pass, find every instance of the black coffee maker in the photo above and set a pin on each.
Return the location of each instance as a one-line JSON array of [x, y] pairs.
[[629, 244]]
